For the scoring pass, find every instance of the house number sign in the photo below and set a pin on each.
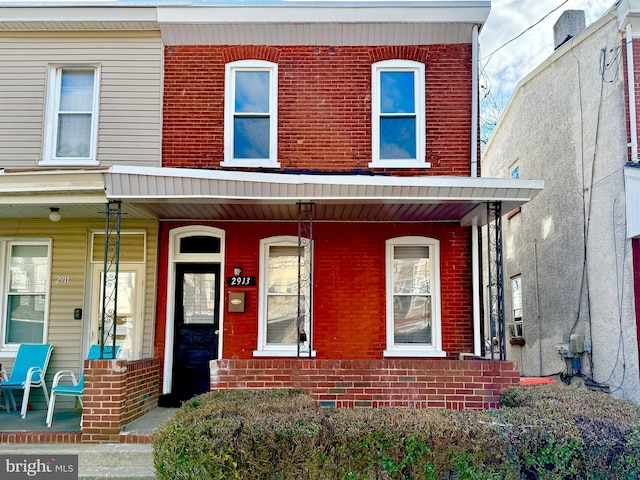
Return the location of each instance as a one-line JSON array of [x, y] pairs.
[[241, 281]]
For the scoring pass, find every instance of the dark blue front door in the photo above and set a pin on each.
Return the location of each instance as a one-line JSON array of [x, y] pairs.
[[196, 327]]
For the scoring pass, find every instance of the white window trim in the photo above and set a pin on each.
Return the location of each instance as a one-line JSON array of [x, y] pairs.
[[229, 102], [263, 349], [11, 349], [415, 350], [51, 123], [418, 69]]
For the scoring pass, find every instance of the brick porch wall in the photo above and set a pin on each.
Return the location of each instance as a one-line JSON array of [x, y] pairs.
[[417, 383], [143, 388], [117, 392]]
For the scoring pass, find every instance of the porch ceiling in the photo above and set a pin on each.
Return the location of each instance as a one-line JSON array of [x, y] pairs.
[[183, 194]]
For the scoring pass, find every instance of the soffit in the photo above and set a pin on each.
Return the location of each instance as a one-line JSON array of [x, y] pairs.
[[324, 23], [183, 194], [167, 193]]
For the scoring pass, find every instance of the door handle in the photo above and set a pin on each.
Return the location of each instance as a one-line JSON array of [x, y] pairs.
[[217, 332]]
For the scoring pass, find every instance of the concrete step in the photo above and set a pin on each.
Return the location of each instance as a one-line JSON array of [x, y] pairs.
[[113, 461]]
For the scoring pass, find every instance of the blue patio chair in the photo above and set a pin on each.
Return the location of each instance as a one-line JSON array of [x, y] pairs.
[[28, 372], [76, 388]]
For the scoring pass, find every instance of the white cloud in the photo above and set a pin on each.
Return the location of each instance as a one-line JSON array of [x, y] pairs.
[[510, 18]]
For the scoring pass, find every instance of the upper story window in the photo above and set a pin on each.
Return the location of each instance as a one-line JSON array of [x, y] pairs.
[[413, 297], [398, 114], [514, 171], [251, 114], [72, 115], [25, 290]]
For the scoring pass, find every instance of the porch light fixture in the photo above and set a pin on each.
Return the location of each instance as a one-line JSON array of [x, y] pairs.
[[54, 214], [237, 271]]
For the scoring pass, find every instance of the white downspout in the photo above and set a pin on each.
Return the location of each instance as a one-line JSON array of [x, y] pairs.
[[474, 101], [475, 254], [633, 128]]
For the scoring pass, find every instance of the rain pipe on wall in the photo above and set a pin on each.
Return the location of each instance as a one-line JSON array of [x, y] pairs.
[[633, 128], [475, 256]]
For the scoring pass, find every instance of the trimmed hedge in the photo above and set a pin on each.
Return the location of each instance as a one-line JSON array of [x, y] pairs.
[[542, 432]]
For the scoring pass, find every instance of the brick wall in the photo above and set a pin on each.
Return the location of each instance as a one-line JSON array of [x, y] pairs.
[[117, 392], [425, 383], [143, 388], [349, 286], [324, 100]]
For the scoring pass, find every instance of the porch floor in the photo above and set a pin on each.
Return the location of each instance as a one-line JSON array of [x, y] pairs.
[[66, 426]]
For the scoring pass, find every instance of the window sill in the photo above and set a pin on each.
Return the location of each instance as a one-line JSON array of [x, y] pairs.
[[9, 351], [282, 353], [73, 162], [415, 352], [250, 163], [513, 213], [399, 164]]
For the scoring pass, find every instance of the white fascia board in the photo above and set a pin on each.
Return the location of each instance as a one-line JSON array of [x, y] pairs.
[[22, 182], [70, 13], [332, 12], [629, 14], [471, 189], [56, 198]]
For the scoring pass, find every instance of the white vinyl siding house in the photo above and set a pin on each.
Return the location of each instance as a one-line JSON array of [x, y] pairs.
[[70, 283], [129, 86]]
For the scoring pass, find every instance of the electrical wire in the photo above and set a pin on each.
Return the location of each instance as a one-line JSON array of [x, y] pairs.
[[520, 34], [610, 66], [620, 289]]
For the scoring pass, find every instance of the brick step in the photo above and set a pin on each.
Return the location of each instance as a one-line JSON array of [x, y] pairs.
[[112, 461]]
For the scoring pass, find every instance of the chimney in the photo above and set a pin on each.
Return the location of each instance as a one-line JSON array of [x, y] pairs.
[[570, 24]]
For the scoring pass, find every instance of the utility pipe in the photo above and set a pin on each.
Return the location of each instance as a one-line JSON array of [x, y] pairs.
[[475, 254], [633, 128]]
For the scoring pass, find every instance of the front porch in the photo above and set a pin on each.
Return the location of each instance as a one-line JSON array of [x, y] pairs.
[[406, 383], [66, 427], [120, 405], [121, 399]]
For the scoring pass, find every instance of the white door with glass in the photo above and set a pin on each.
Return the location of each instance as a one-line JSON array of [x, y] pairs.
[[128, 314]]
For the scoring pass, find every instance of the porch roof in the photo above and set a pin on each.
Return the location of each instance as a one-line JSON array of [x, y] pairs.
[[188, 194]]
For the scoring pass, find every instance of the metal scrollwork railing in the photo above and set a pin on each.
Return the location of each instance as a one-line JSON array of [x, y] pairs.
[[109, 300], [305, 277], [496, 343]]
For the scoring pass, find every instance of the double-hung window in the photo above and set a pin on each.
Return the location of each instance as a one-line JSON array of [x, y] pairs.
[[398, 114], [25, 290], [516, 305], [251, 114], [413, 297], [285, 297], [72, 115]]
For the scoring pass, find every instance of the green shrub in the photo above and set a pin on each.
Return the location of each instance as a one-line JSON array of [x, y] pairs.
[[573, 429], [224, 435], [542, 432]]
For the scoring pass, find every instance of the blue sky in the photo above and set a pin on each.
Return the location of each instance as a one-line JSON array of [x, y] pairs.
[[507, 20]]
